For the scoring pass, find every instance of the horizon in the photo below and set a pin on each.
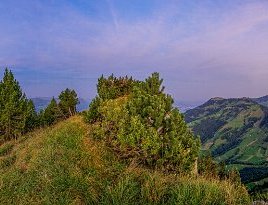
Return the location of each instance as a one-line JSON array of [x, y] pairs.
[[201, 50]]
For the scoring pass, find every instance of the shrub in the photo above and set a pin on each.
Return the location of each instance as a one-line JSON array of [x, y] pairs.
[[144, 125], [92, 115]]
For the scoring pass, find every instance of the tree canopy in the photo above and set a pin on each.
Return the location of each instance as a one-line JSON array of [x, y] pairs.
[[68, 101]]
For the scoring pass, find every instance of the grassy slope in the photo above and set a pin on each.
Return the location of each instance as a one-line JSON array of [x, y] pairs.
[[63, 165]]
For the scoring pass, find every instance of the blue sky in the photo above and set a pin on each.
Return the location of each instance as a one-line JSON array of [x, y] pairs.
[[202, 49]]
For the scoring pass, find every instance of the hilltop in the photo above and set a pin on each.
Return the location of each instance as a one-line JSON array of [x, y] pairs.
[[64, 165], [234, 131]]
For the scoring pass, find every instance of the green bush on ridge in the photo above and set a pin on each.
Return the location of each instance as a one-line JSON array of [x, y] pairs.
[[140, 122]]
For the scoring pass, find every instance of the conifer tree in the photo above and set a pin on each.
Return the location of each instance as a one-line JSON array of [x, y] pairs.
[[32, 117], [156, 128], [113, 87], [143, 124], [14, 107], [68, 102], [92, 115], [51, 114]]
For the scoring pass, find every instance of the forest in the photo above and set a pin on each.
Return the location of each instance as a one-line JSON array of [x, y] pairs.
[[18, 114]]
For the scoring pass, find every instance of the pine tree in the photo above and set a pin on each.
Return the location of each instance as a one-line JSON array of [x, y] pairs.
[[140, 122], [92, 115], [157, 128], [51, 114], [68, 102], [113, 87], [32, 117], [13, 107]]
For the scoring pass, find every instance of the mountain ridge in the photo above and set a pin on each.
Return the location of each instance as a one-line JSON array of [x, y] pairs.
[[234, 131]]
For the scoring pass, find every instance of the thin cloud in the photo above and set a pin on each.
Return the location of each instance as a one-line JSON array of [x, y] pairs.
[[197, 50]]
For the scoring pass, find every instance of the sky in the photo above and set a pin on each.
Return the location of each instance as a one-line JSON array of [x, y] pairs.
[[201, 49]]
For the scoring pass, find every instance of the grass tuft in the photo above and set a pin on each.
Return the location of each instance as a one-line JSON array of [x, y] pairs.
[[5, 149]]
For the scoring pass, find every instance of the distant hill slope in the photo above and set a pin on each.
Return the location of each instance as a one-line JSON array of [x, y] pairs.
[[262, 100], [186, 105], [42, 102], [234, 131]]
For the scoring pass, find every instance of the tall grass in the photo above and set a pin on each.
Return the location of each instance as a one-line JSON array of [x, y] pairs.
[[63, 165]]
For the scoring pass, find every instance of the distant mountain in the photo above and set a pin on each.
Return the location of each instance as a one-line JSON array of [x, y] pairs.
[[234, 131], [186, 105], [262, 100], [42, 102]]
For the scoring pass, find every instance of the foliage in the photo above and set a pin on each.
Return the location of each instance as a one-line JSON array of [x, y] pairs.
[[157, 129], [55, 111], [51, 114], [68, 101], [260, 196], [249, 174], [16, 111], [93, 115], [208, 167], [144, 125], [108, 88], [113, 87], [32, 117]]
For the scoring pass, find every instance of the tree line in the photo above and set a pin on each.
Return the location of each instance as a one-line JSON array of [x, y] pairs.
[[136, 119], [18, 114]]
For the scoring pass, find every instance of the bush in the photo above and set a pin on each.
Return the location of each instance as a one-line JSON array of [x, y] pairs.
[[208, 167], [92, 115], [144, 125]]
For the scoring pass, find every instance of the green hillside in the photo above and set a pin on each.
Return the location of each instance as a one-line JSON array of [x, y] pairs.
[[64, 165], [234, 131]]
